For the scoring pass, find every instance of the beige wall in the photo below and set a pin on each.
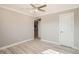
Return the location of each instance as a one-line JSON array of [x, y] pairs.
[[14, 27], [76, 28], [48, 28]]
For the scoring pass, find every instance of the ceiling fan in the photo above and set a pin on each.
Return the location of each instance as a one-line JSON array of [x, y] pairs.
[[39, 8]]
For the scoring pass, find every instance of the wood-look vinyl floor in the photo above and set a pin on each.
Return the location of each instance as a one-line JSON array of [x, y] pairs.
[[37, 47]]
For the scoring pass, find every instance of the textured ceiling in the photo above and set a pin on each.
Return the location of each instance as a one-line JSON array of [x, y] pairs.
[[51, 8]]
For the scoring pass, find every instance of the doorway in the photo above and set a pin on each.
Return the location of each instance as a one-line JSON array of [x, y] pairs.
[[36, 25], [66, 29]]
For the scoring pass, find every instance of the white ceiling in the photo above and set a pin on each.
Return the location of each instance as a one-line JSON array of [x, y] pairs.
[[51, 8]]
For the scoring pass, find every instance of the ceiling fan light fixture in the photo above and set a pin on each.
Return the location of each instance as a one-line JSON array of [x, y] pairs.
[[36, 10]]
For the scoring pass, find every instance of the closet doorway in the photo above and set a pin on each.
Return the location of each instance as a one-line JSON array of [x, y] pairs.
[[66, 29]]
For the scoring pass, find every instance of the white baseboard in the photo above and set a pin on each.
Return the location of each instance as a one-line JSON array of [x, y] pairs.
[[14, 44], [50, 42], [56, 43]]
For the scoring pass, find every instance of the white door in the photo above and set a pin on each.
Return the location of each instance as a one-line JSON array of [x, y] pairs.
[[66, 29]]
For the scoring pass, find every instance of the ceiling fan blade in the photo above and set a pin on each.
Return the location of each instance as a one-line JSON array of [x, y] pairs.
[[33, 5], [41, 10], [42, 6]]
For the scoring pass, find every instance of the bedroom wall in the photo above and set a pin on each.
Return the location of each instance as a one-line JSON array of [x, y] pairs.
[[49, 26], [14, 27], [76, 28]]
